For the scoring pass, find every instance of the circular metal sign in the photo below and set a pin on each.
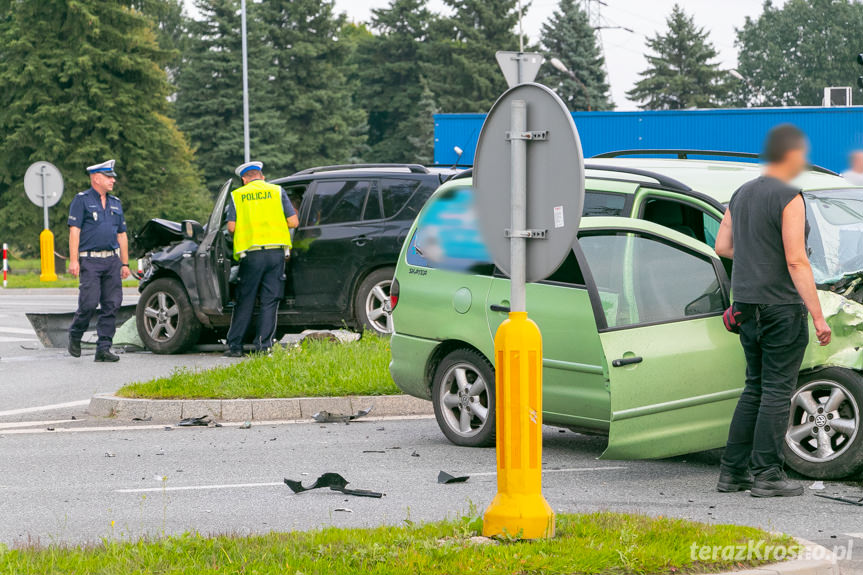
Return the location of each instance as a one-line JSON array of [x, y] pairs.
[[555, 179], [43, 184]]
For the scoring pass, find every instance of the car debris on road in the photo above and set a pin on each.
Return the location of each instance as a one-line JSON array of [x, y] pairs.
[[335, 482]]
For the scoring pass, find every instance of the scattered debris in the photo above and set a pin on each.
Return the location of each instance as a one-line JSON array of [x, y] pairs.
[[142, 418], [109, 454], [335, 482], [344, 509], [168, 428], [849, 500], [194, 421], [326, 336], [246, 425], [446, 478], [415, 454], [818, 485], [480, 540], [50, 429], [373, 451], [74, 418], [327, 417]]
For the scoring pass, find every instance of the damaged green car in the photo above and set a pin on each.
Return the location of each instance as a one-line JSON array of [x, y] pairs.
[[633, 341]]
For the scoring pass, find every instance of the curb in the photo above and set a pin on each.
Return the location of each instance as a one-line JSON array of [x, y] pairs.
[[822, 562], [238, 410]]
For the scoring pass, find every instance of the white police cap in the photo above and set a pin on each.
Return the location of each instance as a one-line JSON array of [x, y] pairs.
[[106, 168], [248, 166]]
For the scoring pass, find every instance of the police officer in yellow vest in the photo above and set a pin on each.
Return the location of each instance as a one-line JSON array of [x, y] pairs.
[[260, 216]]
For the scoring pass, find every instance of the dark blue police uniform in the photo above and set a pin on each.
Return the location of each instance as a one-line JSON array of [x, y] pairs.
[[100, 279]]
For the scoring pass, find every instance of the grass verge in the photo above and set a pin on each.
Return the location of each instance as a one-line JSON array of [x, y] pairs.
[[25, 274], [313, 369], [594, 543]]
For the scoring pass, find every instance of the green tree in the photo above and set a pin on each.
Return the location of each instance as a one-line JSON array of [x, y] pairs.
[[309, 65], [209, 104], [568, 35], [462, 53], [391, 82], [682, 72], [83, 81], [788, 55]]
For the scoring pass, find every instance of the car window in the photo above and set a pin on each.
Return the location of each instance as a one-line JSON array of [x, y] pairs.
[[395, 194], [682, 217], [643, 280], [373, 205], [604, 204], [447, 236], [295, 194], [337, 202]]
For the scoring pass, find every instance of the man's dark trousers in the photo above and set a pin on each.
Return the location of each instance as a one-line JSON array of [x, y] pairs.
[[100, 284], [262, 275], [774, 341]]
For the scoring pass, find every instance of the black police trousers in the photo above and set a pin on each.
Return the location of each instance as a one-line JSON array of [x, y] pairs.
[[262, 276], [100, 285], [774, 341]]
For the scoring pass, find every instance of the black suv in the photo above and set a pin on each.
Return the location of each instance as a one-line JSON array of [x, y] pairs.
[[353, 220]]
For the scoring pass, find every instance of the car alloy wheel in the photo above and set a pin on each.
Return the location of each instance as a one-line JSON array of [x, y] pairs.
[[825, 420], [464, 399], [161, 317], [378, 307]]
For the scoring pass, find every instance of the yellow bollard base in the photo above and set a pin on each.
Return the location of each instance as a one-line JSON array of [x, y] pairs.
[[528, 516], [46, 247]]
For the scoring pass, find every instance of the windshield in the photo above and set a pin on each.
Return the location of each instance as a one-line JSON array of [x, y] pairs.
[[836, 235]]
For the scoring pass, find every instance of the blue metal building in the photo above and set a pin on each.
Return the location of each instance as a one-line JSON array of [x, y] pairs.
[[833, 132]]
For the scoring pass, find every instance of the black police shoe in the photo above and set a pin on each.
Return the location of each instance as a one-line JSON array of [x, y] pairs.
[[774, 483], [234, 353], [75, 347], [733, 482], [105, 355]]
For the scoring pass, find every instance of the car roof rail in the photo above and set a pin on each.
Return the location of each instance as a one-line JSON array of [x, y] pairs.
[[684, 155], [661, 179], [414, 168]]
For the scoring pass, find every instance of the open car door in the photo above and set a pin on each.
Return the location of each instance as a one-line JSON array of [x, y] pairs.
[[213, 265], [674, 372]]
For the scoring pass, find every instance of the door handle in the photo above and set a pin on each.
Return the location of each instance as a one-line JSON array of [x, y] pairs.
[[360, 240], [627, 361], [500, 308]]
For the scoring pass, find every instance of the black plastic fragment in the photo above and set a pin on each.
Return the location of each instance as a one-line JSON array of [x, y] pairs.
[[194, 421], [849, 500], [446, 478], [335, 482], [327, 417]]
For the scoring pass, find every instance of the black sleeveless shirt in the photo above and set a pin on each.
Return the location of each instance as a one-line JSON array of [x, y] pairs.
[[760, 271]]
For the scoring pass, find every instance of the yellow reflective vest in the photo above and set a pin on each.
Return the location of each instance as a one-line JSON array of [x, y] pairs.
[[261, 218]]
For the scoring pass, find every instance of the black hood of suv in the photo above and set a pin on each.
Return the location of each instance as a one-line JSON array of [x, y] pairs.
[[157, 233]]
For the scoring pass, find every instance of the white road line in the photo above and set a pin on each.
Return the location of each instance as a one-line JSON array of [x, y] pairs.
[[36, 409], [18, 330], [16, 424], [855, 535], [198, 487], [4, 339], [547, 471]]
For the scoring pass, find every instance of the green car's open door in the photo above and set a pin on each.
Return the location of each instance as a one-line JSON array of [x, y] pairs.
[[674, 372]]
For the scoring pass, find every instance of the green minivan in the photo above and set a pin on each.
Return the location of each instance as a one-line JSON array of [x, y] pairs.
[[634, 346]]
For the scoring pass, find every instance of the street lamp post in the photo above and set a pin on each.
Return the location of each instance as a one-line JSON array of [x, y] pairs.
[[246, 146], [561, 67]]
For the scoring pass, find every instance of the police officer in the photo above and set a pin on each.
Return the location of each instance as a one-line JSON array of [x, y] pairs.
[[99, 254], [260, 216]]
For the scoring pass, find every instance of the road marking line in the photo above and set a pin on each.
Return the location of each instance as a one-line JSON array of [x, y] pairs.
[[197, 487], [36, 409], [4, 339], [18, 330], [14, 424], [546, 471]]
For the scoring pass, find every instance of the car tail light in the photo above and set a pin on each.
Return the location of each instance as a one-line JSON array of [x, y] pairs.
[[394, 294]]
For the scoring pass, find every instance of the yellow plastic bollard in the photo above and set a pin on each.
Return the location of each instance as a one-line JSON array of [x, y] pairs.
[[46, 247], [519, 509]]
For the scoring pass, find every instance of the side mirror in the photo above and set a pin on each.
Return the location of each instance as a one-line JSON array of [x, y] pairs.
[[192, 230]]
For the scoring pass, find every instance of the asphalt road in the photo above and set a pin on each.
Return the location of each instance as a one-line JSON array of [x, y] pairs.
[[89, 479]]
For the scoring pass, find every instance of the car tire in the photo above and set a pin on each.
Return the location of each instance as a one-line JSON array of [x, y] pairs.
[[372, 305], [165, 318], [464, 412], [815, 444]]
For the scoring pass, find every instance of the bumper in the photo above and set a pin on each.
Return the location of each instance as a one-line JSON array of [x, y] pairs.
[[410, 356]]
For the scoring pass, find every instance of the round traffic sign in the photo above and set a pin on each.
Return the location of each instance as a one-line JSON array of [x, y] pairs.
[[43, 184], [555, 179]]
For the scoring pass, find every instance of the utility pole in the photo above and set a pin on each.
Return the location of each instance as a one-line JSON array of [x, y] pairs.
[[246, 146]]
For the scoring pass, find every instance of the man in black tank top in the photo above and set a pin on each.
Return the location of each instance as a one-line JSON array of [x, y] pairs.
[[764, 231]]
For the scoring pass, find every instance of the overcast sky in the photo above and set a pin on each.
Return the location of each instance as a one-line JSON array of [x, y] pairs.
[[623, 50]]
